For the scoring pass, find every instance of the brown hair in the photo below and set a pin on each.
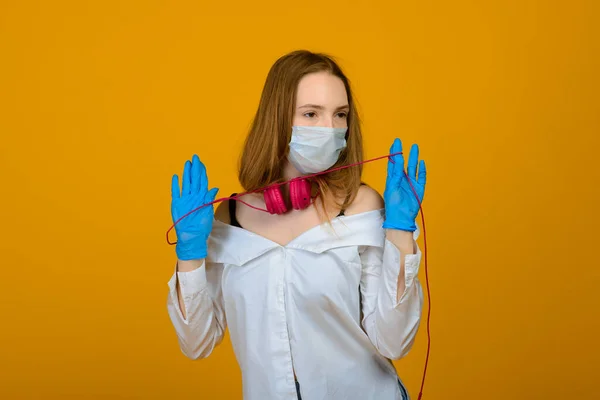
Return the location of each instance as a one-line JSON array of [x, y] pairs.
[[266, 147]]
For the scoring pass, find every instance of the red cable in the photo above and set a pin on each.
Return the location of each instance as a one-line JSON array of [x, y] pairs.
[[428, 293], [275, 185], [236, 197]]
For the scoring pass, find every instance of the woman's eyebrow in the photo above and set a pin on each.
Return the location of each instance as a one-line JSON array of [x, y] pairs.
[[319, 107]]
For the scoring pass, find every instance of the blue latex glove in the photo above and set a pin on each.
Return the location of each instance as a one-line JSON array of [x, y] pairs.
[[193, 230], [401, 205]]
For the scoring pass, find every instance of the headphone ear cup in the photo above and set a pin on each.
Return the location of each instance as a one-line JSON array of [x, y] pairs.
[[300, 194], [274, 200]]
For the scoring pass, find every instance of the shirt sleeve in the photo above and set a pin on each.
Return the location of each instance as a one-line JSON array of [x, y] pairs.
[[390, 323], [205, 323]]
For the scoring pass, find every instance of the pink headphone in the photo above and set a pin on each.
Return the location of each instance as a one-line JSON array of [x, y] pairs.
[[299, 196]]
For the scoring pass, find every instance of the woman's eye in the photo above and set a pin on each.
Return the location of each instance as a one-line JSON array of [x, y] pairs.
[[312, 114]]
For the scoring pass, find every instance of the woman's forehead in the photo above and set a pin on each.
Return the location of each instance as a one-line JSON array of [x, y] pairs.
[[321, 89]]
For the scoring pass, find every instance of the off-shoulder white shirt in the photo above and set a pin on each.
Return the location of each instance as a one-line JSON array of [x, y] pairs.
[[324, 307]]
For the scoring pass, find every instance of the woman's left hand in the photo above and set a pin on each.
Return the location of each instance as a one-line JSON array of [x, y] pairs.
[[401, 205]]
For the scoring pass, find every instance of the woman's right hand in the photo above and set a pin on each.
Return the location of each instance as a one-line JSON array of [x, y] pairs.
[[193, 230]]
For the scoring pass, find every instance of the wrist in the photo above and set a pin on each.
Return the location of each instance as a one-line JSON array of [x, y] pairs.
[[398, 235], [188, 265], [403, 240]]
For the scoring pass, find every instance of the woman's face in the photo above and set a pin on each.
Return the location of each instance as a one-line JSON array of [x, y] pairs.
[[321, 100]]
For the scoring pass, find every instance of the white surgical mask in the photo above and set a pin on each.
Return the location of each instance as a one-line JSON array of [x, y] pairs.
[[316, 148]]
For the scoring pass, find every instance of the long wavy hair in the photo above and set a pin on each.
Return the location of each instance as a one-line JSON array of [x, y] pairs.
[[266, 146]]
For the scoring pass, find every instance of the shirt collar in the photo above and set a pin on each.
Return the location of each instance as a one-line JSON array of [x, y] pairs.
[[234, 245]]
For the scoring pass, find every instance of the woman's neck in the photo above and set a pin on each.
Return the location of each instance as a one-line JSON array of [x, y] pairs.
[[290, 172]]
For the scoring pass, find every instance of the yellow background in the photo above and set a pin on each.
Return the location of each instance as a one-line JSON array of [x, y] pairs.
[[102, 102]]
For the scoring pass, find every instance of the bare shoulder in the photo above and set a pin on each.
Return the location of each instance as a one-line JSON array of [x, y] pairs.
[[222, 212], [367, 199]]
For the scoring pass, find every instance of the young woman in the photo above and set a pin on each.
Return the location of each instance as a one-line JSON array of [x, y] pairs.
[[319, 298]]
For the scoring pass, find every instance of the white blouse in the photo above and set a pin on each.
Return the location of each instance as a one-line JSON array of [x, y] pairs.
[[323, 306]]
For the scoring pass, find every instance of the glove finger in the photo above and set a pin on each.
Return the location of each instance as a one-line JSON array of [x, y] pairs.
[[422, 173], [413, 158], [185, 185], [203, 178], [393, 161], [390, 173], [393, 175], [175, 187], [210, 196], [399, 168], [195, 176]]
